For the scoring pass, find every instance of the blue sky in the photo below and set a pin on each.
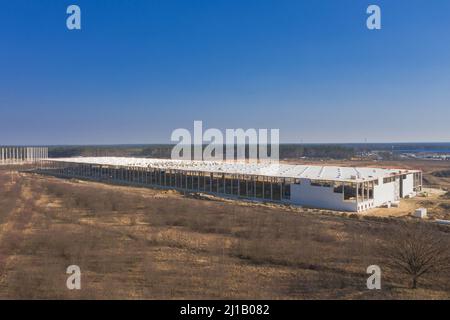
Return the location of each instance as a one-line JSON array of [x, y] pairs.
[[140, 69]]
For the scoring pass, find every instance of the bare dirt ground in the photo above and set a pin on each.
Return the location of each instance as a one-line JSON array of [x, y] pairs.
[[136, 243]]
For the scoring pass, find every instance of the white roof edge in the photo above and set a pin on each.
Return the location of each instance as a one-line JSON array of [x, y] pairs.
[[318, 172]]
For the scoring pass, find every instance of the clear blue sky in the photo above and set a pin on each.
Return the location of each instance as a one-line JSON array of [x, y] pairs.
[[139, 69]]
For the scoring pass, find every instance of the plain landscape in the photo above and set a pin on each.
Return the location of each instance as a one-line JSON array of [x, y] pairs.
[[137, 243]]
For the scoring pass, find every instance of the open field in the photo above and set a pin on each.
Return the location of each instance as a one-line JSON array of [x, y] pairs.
[[141, 243]]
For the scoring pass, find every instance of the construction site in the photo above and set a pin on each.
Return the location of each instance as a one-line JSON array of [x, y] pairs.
[[327, 187]]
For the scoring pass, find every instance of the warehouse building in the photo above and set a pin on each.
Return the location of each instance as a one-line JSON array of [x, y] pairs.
[[328, 187]]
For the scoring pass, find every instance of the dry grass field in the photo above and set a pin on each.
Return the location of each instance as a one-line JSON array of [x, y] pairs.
[[136, 243]]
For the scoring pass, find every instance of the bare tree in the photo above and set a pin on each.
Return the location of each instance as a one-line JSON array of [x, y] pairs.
[[417, 249]]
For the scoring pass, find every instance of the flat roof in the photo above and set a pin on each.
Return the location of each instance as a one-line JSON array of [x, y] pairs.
[[314, 172]]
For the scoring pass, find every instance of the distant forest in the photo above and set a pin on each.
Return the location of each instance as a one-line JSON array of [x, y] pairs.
[[287, 151]]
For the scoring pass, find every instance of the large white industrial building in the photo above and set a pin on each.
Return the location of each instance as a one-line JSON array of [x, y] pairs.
[[327, 187]]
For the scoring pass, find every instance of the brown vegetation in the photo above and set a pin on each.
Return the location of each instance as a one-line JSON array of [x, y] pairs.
[[416, 250], [139, 243]]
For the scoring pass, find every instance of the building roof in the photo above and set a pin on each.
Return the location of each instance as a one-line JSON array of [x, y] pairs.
[[313, 172]]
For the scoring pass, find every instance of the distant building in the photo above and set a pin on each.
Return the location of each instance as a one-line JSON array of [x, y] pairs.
[[18, 155], [327, 187]]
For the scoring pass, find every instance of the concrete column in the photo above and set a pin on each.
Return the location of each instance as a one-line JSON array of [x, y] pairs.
[[263, 188], [198, 181], [271, 191], [239, 186], [368, 192]]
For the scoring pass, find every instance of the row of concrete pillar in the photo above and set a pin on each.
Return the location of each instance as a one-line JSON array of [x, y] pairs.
[[175, 179], [13, 155]]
